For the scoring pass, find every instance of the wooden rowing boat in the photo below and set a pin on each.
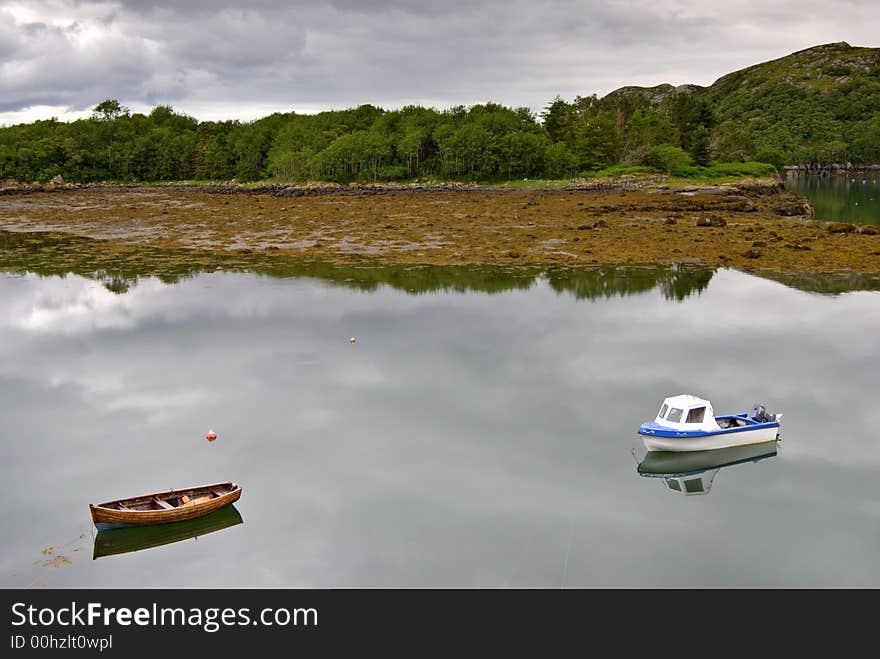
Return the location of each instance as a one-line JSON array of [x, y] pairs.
[[136, 538], [164, 507]]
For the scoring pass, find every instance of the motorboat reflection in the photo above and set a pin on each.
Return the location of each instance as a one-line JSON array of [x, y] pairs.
[[135, 538], [692, 473]]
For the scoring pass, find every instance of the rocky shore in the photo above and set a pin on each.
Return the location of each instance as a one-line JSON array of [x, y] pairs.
[[748, 226], [828, 169]]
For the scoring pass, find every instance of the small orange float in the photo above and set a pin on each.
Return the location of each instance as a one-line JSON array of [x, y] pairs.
[[211, 436]]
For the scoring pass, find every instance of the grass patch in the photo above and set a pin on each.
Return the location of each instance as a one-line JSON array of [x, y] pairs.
[[716, 173], [615, 171], [729, 170], [527, 183]]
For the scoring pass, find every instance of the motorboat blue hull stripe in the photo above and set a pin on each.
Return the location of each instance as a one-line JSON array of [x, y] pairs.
[[657, 430]]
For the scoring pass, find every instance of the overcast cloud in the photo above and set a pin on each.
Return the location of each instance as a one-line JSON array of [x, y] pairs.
[[243, 60]]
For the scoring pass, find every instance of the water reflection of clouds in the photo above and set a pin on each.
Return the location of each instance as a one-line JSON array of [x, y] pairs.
[[68, 306], [727, 341], [463, 440], [746, 339]]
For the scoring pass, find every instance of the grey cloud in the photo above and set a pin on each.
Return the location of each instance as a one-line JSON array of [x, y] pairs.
[[389, 52], [367, 7], [226, 42]]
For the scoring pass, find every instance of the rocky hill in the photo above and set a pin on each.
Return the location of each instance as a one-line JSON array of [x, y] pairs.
[[818, 104]]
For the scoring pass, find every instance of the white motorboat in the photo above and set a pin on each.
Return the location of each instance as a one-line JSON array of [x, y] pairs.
[[688, 423]]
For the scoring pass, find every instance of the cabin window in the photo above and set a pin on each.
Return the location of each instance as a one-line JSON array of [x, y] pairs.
[[673, 484], [663, 410], [696, 415], [693, 485], [675, 415]]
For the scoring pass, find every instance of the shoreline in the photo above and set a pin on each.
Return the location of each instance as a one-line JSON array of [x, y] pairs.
[[625, 182], [748, 226], [825, 170]]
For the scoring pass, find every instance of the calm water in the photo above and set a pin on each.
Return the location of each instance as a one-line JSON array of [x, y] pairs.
[[853, 198], [465, 439]]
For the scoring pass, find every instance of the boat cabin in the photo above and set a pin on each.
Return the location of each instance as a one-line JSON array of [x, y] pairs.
[[686, 412]]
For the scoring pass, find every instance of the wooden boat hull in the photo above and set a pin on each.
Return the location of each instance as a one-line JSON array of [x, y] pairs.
[[136, 538], [149, 509]]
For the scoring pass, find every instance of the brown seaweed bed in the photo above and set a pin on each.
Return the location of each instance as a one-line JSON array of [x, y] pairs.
[[749, 228]]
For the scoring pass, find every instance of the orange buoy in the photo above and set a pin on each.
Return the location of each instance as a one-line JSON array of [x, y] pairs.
[[352, 340], [211, 436]]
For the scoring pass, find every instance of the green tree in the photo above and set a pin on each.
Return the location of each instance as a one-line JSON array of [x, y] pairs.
[[109, 110], [474, 149], [731, 142], [523, 153], [219, 158], [645, 129], [700, 146], [772, 156], [670, 159], [595, 140], [557, 118], [560, 162]]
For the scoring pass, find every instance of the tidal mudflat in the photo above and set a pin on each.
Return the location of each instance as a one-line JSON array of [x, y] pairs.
[[750, 228]]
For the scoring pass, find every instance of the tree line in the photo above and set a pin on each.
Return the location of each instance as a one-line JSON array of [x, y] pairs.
[[487, 142]]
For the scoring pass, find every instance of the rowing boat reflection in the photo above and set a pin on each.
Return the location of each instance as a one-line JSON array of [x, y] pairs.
[[135, 538], [693, 473]]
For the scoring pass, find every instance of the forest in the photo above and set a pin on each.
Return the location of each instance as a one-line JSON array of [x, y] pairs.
[[772, 113], [486, 142]]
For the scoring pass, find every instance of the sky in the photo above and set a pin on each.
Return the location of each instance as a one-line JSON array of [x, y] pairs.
[[218, 59]]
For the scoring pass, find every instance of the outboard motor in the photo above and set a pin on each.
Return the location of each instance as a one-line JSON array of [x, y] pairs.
[[759, 413]]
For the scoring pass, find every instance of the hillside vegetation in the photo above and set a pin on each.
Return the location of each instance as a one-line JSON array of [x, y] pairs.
[[819, 105]]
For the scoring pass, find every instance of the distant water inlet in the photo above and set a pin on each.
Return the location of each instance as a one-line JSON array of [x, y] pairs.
[[847, 197]]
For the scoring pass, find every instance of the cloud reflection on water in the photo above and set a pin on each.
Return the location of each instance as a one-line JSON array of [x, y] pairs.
[[464, 440]]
